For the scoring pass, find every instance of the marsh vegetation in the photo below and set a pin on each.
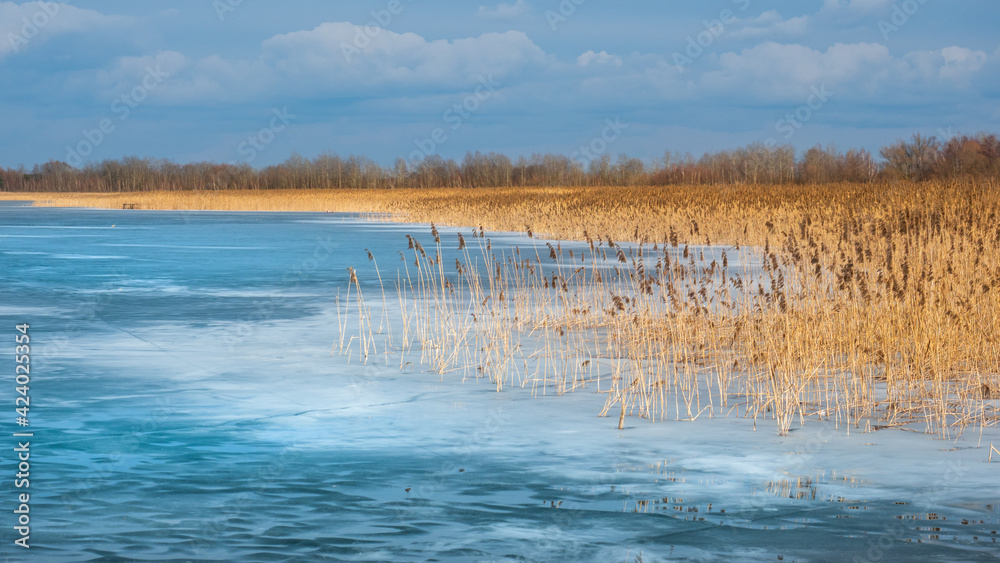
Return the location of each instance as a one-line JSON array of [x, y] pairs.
[[869, 306], [871, 302]]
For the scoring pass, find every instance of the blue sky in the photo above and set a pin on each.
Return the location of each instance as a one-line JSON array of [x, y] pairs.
[[254, 81]]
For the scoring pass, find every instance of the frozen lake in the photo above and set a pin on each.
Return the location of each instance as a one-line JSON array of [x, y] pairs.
[[185, 406]]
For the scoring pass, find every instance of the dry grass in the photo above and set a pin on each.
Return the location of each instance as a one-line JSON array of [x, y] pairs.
[[869, 308], [229, 200], [733, 214], [868, 305]]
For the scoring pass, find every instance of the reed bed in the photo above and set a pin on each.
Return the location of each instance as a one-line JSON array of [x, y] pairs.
[[210, 200], [869, 305], [726, 214], [868, 308]]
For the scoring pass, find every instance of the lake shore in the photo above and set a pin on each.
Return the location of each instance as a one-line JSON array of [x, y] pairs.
[[188, 356], [901, 265]]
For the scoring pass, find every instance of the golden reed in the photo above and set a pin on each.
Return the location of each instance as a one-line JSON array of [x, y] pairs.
[[864, 304]]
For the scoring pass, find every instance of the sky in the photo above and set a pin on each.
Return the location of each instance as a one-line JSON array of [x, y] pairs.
[[249, 81]]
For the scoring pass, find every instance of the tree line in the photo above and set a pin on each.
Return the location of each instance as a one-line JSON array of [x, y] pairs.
[[919, 158]]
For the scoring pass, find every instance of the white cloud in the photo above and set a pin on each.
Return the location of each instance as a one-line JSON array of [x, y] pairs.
[[209, 80], [774, 71], [342, 60], [339, 59], [771, 23], [855, 6], [334, 52], [961, 61], [960, 57], [404, 66], [504, 10], [860, 71], [954, 65], [602, 58], [23, 25]]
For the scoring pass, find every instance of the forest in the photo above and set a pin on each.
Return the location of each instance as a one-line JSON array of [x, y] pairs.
[[920, 158]]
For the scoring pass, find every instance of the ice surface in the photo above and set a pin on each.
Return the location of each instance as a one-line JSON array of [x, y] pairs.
[[186, 406]]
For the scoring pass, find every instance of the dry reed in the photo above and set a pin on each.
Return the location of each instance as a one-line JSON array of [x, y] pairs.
[[868, 305], [868, 308]]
